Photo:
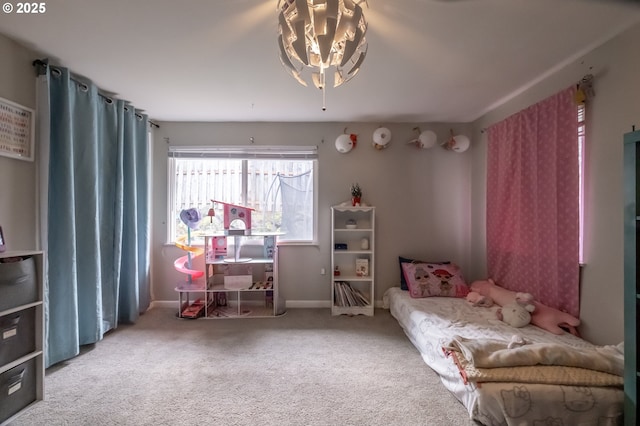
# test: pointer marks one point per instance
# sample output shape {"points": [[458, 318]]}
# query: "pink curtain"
{"points": [[533, 204]]}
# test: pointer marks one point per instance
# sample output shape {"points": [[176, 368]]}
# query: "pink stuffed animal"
{"points": [[543, 316], [554, 320], [500, 296]]}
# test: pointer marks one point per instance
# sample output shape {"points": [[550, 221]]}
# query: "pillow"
{"points": [[403, 282], [434, 279]]}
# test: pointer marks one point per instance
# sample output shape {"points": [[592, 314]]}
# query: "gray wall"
{"points": [[430, 203], [615, 108], [17, 177], [422, 199]]}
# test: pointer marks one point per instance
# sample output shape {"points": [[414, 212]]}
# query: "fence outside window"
{"points": [[280, 190]]}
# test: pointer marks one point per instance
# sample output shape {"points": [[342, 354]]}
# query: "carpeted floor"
{"points": [[303, 368]]}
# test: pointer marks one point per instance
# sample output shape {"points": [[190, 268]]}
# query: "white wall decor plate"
{"points": [[17, 130], [381, 137]]}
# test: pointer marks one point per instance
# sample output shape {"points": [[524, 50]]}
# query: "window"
{"points": [[279, 183]]}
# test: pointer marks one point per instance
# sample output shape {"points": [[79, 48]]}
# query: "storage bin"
{"points": [[17, 335], [17, 388], [18, 283]]}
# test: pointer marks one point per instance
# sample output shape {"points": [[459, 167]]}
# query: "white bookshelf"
{"points": [[352, 293]]}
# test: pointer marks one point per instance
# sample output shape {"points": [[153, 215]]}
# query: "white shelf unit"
{"points": [[21, 332], [352, 293], [218, 299]]}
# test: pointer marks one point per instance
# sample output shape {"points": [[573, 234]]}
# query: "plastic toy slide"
{"points": [[182, 263]]}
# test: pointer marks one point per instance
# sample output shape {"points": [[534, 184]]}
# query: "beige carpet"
{"points": [[304, 368]]}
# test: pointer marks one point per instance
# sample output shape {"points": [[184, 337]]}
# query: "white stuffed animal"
{"points": [[516, 314]]}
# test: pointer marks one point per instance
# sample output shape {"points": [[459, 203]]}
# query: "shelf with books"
{"points": [[352, 260]]}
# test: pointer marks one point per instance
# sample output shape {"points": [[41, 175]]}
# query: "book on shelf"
{"points": [[351, 300], [345, 295], [362, 267], [338, 294]]}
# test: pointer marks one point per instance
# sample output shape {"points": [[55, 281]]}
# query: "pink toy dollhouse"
{"points": [[233, 212]]}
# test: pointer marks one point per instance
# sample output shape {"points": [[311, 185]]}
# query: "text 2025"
{"points": [[31, 7]]}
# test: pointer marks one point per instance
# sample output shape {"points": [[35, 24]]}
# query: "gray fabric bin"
{"points": [[18, 283], [17, 389], [17, 335]]}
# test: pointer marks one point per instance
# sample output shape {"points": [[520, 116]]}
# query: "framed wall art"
{"points": [[17, 130]]}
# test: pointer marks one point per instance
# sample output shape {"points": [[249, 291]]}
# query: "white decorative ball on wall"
{"points": [[461, 143], [345, 143], [425, 140], [381, 137]]}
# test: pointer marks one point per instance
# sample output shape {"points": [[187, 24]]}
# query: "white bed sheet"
{"points": [[430, 322]]}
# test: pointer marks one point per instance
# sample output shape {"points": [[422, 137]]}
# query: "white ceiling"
{"points": [[428, 60]]}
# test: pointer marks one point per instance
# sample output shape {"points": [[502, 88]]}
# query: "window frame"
{"points": [[582, 141], [245, 153]]}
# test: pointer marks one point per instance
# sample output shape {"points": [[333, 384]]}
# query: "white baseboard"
{"points": [[319, 304], [289, 304], [294, 304], [164, 304], [308, 304]]}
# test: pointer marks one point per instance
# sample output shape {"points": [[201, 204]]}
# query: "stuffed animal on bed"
{"points": [[476, 299], [554, 320], [501, 296], [516, 314], [545, 317]]}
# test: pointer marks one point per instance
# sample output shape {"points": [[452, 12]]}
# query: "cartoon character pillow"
{"points": [[403, 281], [434, 279]]}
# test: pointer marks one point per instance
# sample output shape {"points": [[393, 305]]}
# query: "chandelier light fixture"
{"points": [[320, 37]]}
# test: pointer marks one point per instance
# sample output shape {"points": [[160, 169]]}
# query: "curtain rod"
{"points": [[41, 65]]}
